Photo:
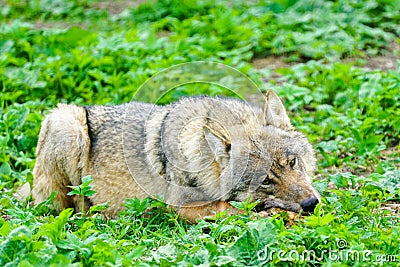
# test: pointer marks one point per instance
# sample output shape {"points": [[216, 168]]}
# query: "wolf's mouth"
{"points": [[268, 203]]}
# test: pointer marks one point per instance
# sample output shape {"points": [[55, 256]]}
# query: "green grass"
{"points": [[76, 52]]}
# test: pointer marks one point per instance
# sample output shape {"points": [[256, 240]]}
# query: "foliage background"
{"points": [[334, 63]]}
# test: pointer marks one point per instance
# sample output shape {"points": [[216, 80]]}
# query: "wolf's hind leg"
{"points": [[62, 154]]}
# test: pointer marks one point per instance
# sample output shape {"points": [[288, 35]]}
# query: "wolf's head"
{"points": [[283, 178], [278, 162]]}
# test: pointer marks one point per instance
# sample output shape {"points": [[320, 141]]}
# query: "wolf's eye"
{"points": [[267, 181], [292, 162]]}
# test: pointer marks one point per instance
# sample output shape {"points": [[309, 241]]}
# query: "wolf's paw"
{"points": [[289, 217]]}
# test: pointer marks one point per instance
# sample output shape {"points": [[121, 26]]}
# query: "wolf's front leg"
{"points": [[199, 210]]}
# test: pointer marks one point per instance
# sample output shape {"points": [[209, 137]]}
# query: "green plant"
{"points": [[83, 190]]}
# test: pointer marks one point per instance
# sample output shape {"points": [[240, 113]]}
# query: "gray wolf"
{"points": [[196, 154]]}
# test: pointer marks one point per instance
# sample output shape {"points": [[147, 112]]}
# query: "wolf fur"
{"points": [[196, 154]]}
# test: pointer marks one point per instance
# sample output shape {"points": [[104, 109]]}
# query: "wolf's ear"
{"points": [[217, 140], [274, 112]]}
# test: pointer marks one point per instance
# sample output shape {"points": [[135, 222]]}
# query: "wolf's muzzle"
{"points": [[309, 204]]}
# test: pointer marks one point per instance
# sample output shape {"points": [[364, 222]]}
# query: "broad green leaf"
{"points": [[321, 220], [258, 234], [55, 229], [5, 168]]}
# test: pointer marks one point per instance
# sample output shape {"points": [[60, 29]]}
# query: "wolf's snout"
{"points": [[309, 204]]}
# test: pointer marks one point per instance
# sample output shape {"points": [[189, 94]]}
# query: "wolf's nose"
{"points": [[309, 204]]}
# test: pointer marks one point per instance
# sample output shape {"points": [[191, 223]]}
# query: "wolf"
{"points": [[196, 154]]}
